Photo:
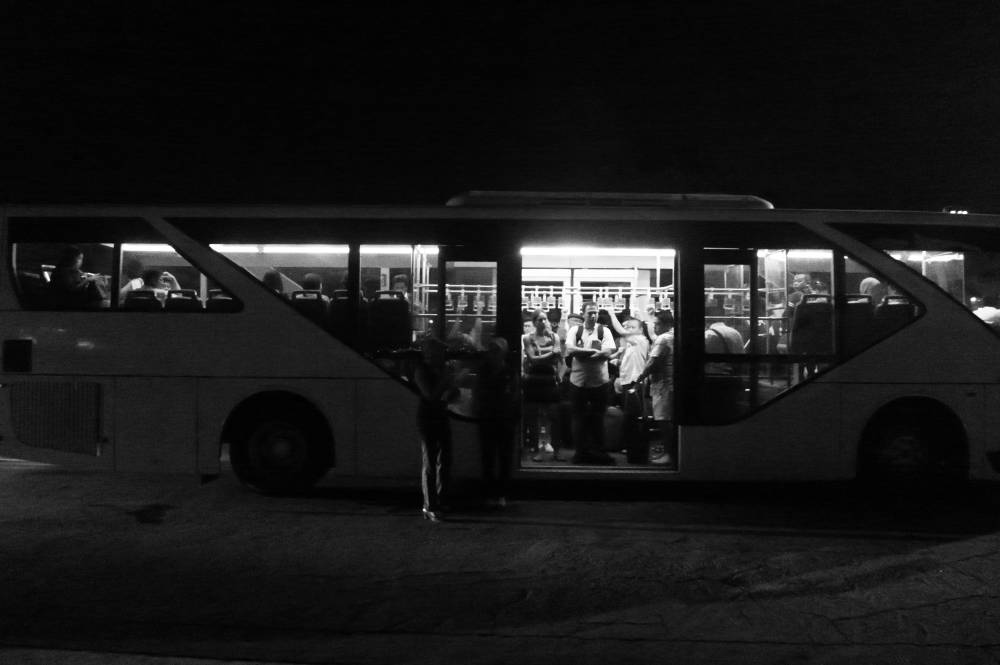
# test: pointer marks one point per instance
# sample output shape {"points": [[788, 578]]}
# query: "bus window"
{"points": [[64, 275], [754, 354], [399, 295], [287, 268], [787, 279], [961, 259]]}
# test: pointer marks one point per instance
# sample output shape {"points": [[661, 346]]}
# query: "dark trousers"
{"points": [[589, 407], [496, 441], [435, 445]]}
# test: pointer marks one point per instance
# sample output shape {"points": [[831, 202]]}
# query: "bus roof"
{"points": [[489, 198]]}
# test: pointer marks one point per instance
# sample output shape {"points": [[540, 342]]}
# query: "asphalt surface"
{"points": [[158, 570]]}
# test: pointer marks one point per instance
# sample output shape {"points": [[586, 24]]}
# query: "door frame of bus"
{"points": [[690, 333], [508, 262]]}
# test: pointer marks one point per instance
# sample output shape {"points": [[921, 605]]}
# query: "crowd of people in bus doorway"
{"points": [[576, 371]]}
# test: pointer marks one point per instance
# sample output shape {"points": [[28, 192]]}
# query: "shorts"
{"points": [[663, 401]]}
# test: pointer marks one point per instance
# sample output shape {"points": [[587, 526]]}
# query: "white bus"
{"points": [[867, 346]]}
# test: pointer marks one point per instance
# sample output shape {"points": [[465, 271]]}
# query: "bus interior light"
{"points": [[579, 250]]}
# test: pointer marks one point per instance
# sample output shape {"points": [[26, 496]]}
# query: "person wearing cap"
{"points": [[436, 384]]}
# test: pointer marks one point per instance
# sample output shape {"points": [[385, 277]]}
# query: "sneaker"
{"points": [[664, 459], [537, 457], [548, 448]]}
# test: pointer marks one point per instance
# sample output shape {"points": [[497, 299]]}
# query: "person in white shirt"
{"points": [[660, 371], [159, 282], [590, 346]]}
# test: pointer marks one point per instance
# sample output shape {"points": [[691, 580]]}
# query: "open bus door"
{"points": [[479, 298]]}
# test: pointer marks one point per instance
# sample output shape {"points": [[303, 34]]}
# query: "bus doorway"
{"points": [[580, 413]]}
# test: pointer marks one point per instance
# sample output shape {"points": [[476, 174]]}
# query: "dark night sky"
{"points": [[809, 104]]}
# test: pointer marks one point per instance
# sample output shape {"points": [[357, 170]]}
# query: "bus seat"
{"points": [[142, 301], [35, 290], [389, 321], [183, 300], [311, 304], [220, 301], [340, 314], [893, 313], [859, 324], [812, 325]]}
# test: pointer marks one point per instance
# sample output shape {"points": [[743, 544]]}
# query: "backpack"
{"points": [[579, 339]]}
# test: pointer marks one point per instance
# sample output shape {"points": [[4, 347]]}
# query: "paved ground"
{"points": [[158, 570]]}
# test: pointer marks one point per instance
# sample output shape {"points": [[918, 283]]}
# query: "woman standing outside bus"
{"points": [[544, 356], [435, 383]]}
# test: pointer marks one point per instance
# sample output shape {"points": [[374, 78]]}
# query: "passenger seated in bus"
{"points": [[872, 287], [73, 288], [272, 280], [313, 282], [721, 337], [159, 282], [131, 278], [401, 283]]}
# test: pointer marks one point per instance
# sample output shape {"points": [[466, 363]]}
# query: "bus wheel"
{"points": [[280, 455], [918, 446]]}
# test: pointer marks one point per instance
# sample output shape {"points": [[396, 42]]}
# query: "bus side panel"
{"points": [[336, 400], [991, 435], [789, 440], [63, 420], [155, 424], [388, 443], [966, 401]]}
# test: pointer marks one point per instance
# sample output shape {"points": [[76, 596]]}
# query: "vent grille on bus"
{"points": [[608, 199], [57, 416]]}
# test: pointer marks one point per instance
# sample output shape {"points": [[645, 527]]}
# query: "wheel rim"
{"points": [[901, 455], [278, 447]]}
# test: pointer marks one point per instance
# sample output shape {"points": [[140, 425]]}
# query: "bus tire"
{"points": [[281, 453], [917, 444]]}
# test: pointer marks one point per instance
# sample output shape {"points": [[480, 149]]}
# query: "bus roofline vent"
{"points": [[486, 198]]}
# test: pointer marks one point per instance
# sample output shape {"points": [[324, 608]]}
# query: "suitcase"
{"points": [[635, 430]]}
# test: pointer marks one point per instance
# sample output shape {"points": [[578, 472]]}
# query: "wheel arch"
{"points": [[252, 408], [924, 410]]}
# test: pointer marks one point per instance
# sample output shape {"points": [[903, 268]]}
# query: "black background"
{"points": [[808, 104]]}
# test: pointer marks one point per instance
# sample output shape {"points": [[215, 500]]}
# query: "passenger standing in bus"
{"points": [[589, 345], [543, 352], [659, 370], [436, 386], [496, 395], [631, 358]]}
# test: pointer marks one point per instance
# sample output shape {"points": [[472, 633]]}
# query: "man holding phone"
{"points": [[590, 346]]}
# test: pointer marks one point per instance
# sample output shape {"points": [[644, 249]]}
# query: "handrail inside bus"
{"points": [[487, 198]]}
